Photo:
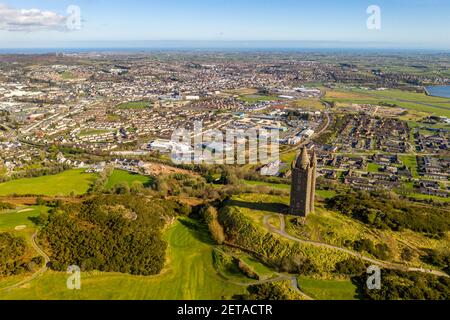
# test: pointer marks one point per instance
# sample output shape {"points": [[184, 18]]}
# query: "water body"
{"points": [[439, 91]]}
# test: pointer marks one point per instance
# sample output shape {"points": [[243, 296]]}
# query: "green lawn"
{"points": [[410, 161], [71, 181], [189, 274], [262, 270], [134, 105], [119, 176], [281, 186], [20, 217], [373, 167], [328, 289]]}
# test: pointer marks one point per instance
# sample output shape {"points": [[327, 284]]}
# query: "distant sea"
{"points": [[225, 46], [439, 91]]}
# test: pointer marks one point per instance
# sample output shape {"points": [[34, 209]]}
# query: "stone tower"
{"points": [[303, 187]]}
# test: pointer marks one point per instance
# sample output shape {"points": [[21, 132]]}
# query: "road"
{"points": [[385, 264], [315, 135], [38, 273]]}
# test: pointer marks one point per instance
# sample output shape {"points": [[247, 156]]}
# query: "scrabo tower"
{"points": [[303, 187]]}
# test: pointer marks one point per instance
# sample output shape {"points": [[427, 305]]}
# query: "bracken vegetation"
{"points": [[283, 254]]}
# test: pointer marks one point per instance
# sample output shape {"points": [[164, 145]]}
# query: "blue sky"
{"points": [[404, 23]]}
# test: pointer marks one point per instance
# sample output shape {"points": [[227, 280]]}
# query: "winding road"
{"points": [[385, 264]]}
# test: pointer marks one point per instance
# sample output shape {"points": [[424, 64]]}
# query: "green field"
{"points": [[328, 289], [282, 186], [254, 98], [189, 274], [91, 132], [410, 162], [20, 217], [119, 176], [403, 99], [68, 182], [67, 75], [134, 105], [373, 167]]}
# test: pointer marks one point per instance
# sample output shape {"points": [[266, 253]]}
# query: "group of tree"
{"points": [[380, 250], [272, 291], [382, 211], [13, 257], [34, 172], [400, 285], [111, 233]]}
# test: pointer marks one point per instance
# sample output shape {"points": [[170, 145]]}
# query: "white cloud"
{"points": [[29, 20]]}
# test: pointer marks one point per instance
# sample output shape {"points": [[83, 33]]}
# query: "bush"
{"points": [[350, 266], [12, 251], [272, 291], [6, 206], [209, 215], [109, 233], [380, 211], [247, 270], [400, 285]]}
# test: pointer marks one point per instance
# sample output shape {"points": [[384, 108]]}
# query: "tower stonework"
{"points": [[303, 187]]}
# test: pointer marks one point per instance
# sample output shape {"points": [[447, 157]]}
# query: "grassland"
{"points": [[69, 182], [418, 102], [20, 217], [373, 167], [328, 289], [139, 105], [314, 104], [254, 98], [282, 186], [119, 176], [189, 274], [67, 75], [410, 162]]}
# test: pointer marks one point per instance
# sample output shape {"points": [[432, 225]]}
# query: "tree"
{"points": [[122, 188]]}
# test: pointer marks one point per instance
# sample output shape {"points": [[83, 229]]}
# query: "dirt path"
{"points": [[385, 264]]}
